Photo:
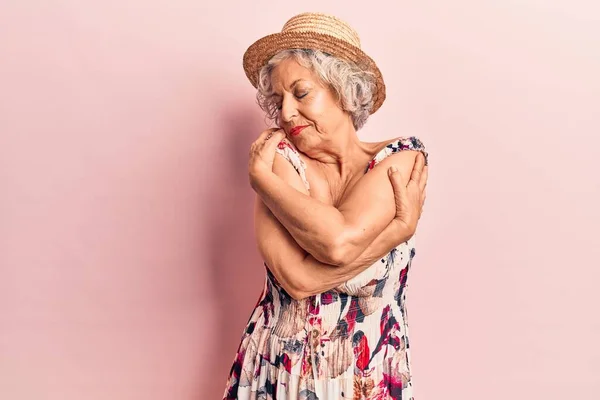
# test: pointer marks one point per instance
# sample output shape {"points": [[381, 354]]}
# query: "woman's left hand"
{"points": [[262, 151], [410, 195]]}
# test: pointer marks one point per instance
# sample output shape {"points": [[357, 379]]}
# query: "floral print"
{"points": [[350, 342]]}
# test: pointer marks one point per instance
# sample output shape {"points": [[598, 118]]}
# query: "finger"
{"points": [[273, 140], [418, 168], [262, 138], [424, 177], [278, 134], [398, 186], [396, 178], [263, 135]]}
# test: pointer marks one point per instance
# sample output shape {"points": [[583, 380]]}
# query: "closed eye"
{"points": [[279, 105]]}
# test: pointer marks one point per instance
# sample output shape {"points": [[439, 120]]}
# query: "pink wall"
{"points": [[127, 261]]}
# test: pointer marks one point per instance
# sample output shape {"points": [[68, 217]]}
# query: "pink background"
{"points": [[127, 260]]}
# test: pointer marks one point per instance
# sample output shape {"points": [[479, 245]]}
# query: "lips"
{"points": [[297, 129]]}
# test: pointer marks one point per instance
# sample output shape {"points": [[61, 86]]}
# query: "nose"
{"points": [[288, 109]]}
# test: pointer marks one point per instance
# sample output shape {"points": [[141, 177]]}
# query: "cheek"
{"points": [[323, 109]]}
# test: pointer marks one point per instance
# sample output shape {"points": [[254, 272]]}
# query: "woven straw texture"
{"points": [[314, 31]]}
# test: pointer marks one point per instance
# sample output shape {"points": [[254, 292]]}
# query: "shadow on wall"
{"points": [[237, 268]]}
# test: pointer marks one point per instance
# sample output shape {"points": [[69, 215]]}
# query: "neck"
{"points": [[341, 153]]}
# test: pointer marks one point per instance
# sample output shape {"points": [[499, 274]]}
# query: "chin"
{"points": [[299, 142]]}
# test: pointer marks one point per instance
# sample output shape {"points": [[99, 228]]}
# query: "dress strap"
{"points": [[290, 153], [396, 145]]}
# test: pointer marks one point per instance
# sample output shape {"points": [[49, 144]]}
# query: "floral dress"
{"points": [[350, 342]]}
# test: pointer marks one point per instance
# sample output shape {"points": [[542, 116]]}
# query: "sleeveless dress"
{"points": [[350, 342]]}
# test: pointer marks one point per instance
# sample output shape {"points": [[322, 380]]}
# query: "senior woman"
{"points": [[334, 222]]}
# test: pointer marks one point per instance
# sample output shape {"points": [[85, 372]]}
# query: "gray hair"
{"points": [[353, 87]]}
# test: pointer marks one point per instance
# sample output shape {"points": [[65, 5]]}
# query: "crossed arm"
{"points": [[336, 236], [301, 249]]}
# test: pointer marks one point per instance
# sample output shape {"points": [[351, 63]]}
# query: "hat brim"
{"points": [[259, 53]]}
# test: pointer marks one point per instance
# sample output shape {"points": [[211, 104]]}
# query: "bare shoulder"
{"points": [[289, 171], [400, 152]]}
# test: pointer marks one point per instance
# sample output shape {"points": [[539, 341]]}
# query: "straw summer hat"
{"points": [[314, 31]]}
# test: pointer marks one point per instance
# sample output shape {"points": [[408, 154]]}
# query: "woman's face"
{"points": [[304, 101]]}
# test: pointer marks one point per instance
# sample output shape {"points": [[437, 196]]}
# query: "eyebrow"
{"points": [[294, 83], [291, 86]]}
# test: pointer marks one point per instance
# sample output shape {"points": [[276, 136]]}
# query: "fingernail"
{"points": [[392, 169]]}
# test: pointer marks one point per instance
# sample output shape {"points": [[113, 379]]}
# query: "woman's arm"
{"points": [[336, 236], [299, 273]]}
